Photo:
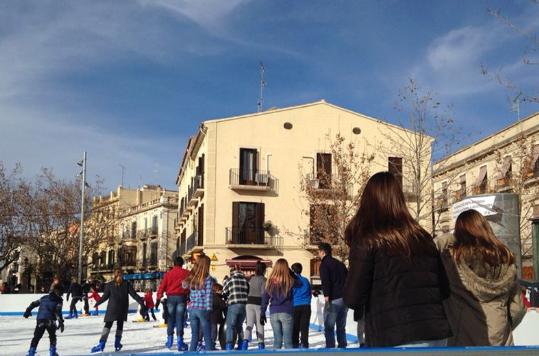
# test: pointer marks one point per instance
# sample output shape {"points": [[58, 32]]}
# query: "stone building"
{"points": [[137, 227], [239, 182], [506, 161]]}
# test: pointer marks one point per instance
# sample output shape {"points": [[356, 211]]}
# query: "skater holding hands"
{"points": [[50, 310]]}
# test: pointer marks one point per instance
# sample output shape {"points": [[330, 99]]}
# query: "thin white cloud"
{"points": [[209, 14], [38, 140]]}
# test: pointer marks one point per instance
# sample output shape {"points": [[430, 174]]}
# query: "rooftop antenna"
{"points": [[123, 172], [260, 103], [516, 105]]}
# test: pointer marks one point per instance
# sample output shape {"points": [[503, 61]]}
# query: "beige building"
{"points": [[506, 161], [138, 226], [239, 183]]}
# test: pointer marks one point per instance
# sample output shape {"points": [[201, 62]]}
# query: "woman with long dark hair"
{"points": [[396, 276], [117, 293], [485, 303]]}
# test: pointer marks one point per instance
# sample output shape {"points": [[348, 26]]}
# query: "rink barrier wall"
{"points": [[426, 351], [16, 304]]}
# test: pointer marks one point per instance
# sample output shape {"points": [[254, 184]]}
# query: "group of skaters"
{"points": [[404, 287]]}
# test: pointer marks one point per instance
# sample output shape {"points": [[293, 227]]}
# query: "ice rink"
{"points": [[83, 333]]}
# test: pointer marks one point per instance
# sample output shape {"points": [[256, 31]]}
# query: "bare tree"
{"points": [[518, 172], [333, 193], [529, 58], [426, 129], [14, 227]]}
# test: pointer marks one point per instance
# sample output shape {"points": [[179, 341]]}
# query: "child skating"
{"points": [[50, 310]]}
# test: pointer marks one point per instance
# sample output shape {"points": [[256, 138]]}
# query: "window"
{"points": [[154, 225], [315, 267], [247, 223], [480, 185], [144, 254], [200, 227], [535, 161], [461, 193], [444, 197], [111, 259], [134, 230], [153, 254], [129, 255], [394, 166], [323, 170], [248, 165]]}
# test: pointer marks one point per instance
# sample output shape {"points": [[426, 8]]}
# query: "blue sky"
{"points": [[129, 81]]}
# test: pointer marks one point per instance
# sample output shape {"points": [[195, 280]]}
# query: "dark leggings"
{"points": [[41, 326], [106, 330]]}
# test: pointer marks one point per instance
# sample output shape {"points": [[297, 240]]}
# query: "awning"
{"points": [[247, 263], [143, 276], [481, 177], [504, 169]]}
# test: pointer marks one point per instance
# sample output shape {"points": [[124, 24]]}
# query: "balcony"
{"points": [[198, 187], [191, 243], [330, 186], [257, 238], [260, 181]]}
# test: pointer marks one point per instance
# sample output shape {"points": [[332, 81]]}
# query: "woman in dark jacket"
{"points": [[117, 293], [396, 275]]}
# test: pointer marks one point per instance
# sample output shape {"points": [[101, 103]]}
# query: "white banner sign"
{"points": [[483, 204]]}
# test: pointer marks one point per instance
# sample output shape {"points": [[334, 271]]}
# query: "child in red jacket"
{"points": [[96, 297], [148, 301]]}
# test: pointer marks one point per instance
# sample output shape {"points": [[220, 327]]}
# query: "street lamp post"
{"points": [[81, 236]]}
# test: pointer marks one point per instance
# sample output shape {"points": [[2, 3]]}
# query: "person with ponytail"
{"points": [[396, 276], [200, 284], [485, 303], [278, 295], [117, 293]]}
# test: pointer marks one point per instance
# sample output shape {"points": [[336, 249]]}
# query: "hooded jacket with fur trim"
{"points": [[485, 304]]}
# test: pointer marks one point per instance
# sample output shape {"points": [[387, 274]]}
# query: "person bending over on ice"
{"points": [[117, 292], [50, 309]]}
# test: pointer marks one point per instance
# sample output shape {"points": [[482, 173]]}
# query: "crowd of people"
{"points": [[404, 287]]}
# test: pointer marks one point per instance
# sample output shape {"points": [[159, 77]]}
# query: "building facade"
{"points": [[506, 161], [138, 231], [240, 182]]}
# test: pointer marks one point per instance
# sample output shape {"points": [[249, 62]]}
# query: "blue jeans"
{"points": [[235, 316], [335, 314], [176, 314], [282, 325], [200, 320]]}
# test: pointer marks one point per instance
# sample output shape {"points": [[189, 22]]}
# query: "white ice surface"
{"points": [[81, 334]]}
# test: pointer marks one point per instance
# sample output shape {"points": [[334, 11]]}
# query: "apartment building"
{"points": [[506, 161], [239, 182], [138, 230]]}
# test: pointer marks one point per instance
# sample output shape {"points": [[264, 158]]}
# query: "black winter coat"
{"points": [[118, 297], [333, 275], [401, 296], [75, 290]]}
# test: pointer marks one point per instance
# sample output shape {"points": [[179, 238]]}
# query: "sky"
{"points": [[130, 81]]}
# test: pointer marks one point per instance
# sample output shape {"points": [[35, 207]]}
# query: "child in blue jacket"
{"points": [[301, 298], [50, 309]]}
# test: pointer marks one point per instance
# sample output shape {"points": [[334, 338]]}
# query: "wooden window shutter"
{"points": [[260, 216], [235, 214], [201, 225]]}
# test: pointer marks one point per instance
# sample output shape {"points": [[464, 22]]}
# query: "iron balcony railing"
{"points": [[242, 177], [248, 236]]}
